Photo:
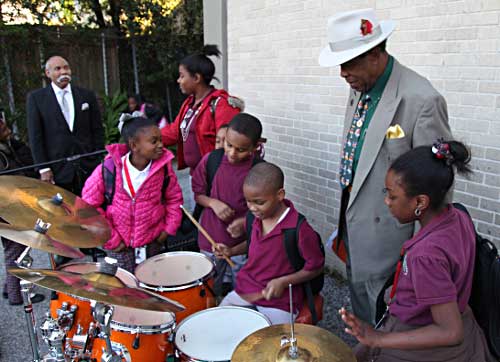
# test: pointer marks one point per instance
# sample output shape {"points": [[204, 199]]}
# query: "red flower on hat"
{"points": [[366, 27]]}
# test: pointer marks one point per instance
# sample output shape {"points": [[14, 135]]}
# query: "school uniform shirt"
{"points": [[438, 268], [267, 260], [137, 177], [227, 186]]}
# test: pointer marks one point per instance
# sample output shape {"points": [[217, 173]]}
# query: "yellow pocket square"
{"points": [[394, 132]]}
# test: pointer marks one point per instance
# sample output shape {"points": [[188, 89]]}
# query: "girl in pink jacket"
{"points": [[145, 205]]}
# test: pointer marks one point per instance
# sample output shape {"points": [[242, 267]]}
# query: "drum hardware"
{"points": [[74, 222], [103, 315], [293, 352], [100, 287], [41, 240], [189, 279], [66, 316], [25, 260], [54, 337], [213, 334], [30, 319]]}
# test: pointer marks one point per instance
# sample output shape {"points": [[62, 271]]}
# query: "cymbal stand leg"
{"points": [[30, 319]]}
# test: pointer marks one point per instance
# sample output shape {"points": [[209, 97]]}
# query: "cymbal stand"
{"points": [[293, 351], [25, 260], [103, 314], [30, 319]]}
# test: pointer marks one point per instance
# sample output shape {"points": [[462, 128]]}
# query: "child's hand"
{"points": [[162, 237], [274, 289], [223, 212], [119, 248], [363, 332], [236, 228], [221, 250]]}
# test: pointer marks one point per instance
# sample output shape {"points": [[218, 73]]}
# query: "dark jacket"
{"points": [[50, 137]]}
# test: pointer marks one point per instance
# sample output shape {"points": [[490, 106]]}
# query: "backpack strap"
{"points": [[290, 240], [164, 185], [213, 163], [213, 106], [249, 222], [108, 170]]}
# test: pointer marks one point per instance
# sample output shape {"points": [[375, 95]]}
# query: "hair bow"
{"points": [[125, 117], [441, 150]]}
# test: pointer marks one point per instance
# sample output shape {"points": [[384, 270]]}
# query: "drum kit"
{"points": [[165, 312]]}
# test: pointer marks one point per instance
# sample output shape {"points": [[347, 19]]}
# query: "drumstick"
{"points": [[205, 233]]}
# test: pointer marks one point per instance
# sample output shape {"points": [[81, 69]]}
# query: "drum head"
{"points": [[213, 334], [126, 319], [83, 268], [174, 269]]}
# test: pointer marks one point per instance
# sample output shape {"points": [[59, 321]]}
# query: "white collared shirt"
{"points": [[136, 177], [69, 100]]}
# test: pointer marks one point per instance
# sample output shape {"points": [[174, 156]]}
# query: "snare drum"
{"points": [[186, 277], [213, 334], [138, 335], [83, 314]]}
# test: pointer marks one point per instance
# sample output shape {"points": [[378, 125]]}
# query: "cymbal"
{"points": [[74, 222], [100, 287], [314, 344], [36, 240]]}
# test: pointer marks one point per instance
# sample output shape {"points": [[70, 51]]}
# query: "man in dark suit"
{"points": [[64, 120]]}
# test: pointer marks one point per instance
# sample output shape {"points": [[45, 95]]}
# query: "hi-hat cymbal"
{"points": [[314, 344], [100, 287], [38, 241], [23, 200]]}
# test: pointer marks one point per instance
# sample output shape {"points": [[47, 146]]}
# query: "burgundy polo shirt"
{"points": [[267, 260], [227, 186], [437, 269]]}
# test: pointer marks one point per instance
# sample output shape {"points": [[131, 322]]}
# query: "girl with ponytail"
{"points": [[204, 111], [428, 317]]}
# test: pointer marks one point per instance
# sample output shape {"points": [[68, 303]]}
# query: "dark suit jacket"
{"points": [[50, 137]]}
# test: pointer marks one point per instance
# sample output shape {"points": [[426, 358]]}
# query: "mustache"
{"points": [[64, 77]]}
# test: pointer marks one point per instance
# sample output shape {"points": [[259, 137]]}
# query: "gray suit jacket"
{"points": [[375, 236]]}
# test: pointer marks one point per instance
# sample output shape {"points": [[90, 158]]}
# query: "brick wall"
{"points": [[273, 47]]}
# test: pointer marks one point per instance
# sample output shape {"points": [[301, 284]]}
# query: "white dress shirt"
{"points": [[69, 100], [136, 177]]}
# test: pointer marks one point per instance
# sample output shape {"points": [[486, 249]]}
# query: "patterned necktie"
{"points": [[65, 107], [351, 142]]}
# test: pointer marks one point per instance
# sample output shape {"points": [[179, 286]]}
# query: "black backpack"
{"points": [[485, 296], [290, 240], [108, 170]]}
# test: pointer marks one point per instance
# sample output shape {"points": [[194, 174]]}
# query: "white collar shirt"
{"points": [[68, 96], [137, 177]]}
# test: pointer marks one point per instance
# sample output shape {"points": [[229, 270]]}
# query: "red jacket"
{"points": [[205, 127]]}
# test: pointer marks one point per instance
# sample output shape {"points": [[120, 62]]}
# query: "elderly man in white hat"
{"points": [[390, 110]]}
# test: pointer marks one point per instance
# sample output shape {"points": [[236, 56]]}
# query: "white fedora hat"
{"points": [[351, 34]]}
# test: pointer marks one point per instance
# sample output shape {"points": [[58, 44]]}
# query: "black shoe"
{"points": [[37, 298], [5, 295]]}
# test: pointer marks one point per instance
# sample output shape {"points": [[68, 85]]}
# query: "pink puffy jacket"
{"points": [[138, 221]]}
